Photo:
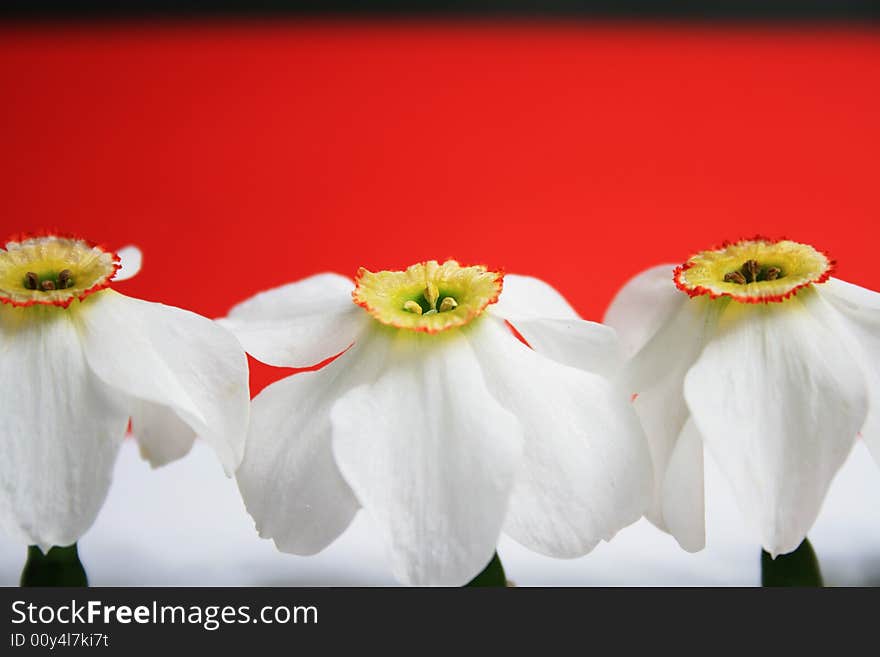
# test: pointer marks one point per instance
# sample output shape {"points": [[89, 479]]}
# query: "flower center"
{"points": [[428, 296], [53, 270], [48, 282], [754, 271], [427, 304]]}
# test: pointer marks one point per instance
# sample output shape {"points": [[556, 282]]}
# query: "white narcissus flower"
{"points": [[753, 350], [437, 420], [77, 360]]}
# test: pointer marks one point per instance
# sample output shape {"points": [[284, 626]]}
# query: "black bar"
{"points": [[722, 10], [563, 621]]}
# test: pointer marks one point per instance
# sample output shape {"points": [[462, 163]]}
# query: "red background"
{"points": [[243, 156]]}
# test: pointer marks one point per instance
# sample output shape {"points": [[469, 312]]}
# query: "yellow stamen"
{"points": [[412, 307], [431, 293], [448, 304]]}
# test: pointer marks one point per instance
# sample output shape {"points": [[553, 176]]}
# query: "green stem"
{"points": [[492, 575], [59, 567], [798, 568]]}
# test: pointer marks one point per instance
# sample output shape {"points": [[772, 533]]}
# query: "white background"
{"points": [[185, 524]]}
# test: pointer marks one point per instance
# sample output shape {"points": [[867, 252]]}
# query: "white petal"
{"points": [[855, 300], [525, 296], [130, 258], [300, 324], [553, 328], [587, 471], [682, 494], [60, 432], [860, 308], [778, 398], [656, 376], [173, 358], [575, 342], [288, 478], [643, 305], [431, 457], [161, 435]]}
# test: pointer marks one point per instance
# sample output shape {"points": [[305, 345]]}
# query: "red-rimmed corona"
{"points": [[756, 352], [437, 420], [53, 270], [79, 361], [427, 296], [757, 270]]}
